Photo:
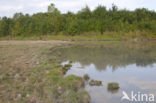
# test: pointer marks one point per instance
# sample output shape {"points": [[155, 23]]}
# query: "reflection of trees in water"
{"points": [[113, 91], [114, 56]]}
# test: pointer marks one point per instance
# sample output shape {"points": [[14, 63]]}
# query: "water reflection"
{"points": [[113, 91], [132, 65], [141, 54]]}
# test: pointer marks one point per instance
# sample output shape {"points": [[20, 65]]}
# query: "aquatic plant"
{"points": [[86, 77], [66, 67], [113, 86], [95, 83]]}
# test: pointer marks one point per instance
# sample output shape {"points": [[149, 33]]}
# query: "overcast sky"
{"points": [[9, 7]]}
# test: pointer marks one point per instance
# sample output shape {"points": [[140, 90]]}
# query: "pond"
{"points": [[131, 64]]}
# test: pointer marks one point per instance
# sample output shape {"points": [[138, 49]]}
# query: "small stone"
{"points": [[27, 95], [19, 96], [37, 63], [27, 79], [60, 90], [17, 76]]}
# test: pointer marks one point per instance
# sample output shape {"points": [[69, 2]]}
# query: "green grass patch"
{"points": [[89, 36]]}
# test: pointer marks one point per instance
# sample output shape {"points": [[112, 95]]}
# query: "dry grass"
{"points": [[20, 73]]}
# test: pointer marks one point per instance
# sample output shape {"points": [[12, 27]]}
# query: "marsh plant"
{"points": [[113, 86], [95, 83], [86, 77], [66, 67]]}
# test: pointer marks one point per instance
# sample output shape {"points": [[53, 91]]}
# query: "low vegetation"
{"points": [[86, 77], [95, 83], [29, 75], [113, 86], [30, 71], [66, 67]]}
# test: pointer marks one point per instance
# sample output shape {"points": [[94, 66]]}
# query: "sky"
{"points": [[9, 7]]}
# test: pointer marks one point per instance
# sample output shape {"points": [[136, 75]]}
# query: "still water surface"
{"points": [[132, 65]]}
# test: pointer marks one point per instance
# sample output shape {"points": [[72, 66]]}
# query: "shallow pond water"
{"points": [[132, 65]]}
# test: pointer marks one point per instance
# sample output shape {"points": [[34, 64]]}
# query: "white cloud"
{"points": [[75, 5], [9, 7]]}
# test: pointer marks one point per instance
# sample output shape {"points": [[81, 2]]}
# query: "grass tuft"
{"points": [[113, 86]]}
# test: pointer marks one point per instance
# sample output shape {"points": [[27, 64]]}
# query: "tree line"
{"points": [[99, 20]]}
